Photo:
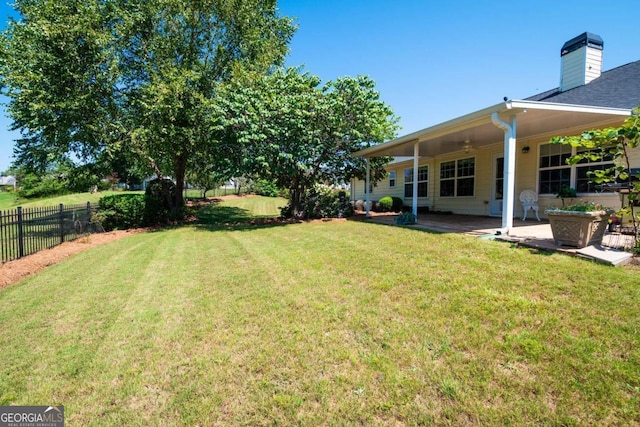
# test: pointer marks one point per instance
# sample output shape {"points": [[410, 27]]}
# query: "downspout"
{"points": [[367, 188], [509, 183], [416, 155]]}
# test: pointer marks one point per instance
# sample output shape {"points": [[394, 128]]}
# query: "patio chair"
{"points": [[529, 200]]}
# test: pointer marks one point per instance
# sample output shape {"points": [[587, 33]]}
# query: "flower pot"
{"points": [[579, 229]]}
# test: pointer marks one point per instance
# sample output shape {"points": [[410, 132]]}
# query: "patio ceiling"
{"points": [[534, 119]]}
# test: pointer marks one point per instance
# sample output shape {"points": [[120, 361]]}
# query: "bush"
{"points": [[122, 211], [161, 202], [33, 186], [406, 218], [385, 204], [263, 187], [321, 201], [397, 204]]}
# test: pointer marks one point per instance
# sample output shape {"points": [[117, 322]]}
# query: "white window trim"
{"points": [[456, 177], [573, 174], [419, 182]]}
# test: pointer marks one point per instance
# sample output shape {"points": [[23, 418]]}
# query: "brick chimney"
{"points": [[581, 61]]}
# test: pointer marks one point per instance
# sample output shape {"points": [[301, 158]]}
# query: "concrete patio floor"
{"points": [[529, 233]]}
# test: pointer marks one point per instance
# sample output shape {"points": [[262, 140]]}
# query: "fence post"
{"points": [[61, 223], [20, 234]]}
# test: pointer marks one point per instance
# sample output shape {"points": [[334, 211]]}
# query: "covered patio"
{"points": [[512, 125], [531, 233]]}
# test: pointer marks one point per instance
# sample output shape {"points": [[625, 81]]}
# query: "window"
{"points": [[423, 181], [555, 173], [457, 178], [599, 160], [392, 179]]}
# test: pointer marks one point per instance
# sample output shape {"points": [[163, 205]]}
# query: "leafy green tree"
{"points": [[297, 133], [85, 77], [617, 144]]}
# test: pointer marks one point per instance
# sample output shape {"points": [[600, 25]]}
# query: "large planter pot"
{"points": [[579, 229]]}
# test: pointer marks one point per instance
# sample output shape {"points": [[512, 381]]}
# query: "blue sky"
{"points": [[434, 60]]}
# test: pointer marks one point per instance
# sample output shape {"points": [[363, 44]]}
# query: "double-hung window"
{"points": [[597, 160], [555, 173], [423, 181], [392, 179], [457, 178]]}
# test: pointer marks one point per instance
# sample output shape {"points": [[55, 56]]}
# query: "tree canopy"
{"points": [[297, 132], [92, 77]]}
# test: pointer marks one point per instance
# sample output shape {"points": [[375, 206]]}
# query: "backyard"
{"points": [[225, 322]]}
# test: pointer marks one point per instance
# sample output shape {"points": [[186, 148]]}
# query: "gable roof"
{"points": [[616, 88]]}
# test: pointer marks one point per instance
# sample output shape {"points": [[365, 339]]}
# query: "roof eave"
{"points": [[462, 122], [450, 126]]}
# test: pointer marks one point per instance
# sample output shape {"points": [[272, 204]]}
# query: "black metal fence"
{"points": [[26, 231]]}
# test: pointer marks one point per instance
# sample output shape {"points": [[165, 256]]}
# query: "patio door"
{"points": [[495, 204]]}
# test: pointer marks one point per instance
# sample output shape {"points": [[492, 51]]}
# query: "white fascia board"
{"points": [[551, 106], [468, 120]]}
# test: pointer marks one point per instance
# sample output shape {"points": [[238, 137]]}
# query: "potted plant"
{"points": [[579, 225], [566, 193]]}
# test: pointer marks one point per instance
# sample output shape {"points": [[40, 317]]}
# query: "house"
{"points": [[479, 163], [8, 181]]}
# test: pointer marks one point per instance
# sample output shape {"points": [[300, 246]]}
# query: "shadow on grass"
{"points": [[216, 217], [423, 229]]}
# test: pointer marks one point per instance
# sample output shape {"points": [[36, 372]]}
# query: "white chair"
{"points": [[529, 200]]}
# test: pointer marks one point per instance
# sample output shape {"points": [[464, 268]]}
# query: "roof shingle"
{"points": [[616, 88]]}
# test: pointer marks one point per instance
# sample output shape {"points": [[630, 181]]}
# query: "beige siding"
{"points": [[381, 189], [479, 204], [580, 67]]}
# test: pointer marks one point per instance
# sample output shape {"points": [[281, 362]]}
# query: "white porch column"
{"points": [[509, 184], [367, 187], [416, 156]]}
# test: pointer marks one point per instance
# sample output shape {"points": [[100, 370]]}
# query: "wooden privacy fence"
{"points": [[26, 231]]}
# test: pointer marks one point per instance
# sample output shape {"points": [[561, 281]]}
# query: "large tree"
{"points": [[88, 77], [289, 128]]}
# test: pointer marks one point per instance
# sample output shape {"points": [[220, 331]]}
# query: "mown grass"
{"points": [[12, 202], [242, 209], [323, 324], [6, 200]]}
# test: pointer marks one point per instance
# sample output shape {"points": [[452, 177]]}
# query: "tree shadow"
{"points": [[215, 218]]}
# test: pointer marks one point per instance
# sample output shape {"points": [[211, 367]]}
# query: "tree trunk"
{"points": [[296, 202], [180, 166]]}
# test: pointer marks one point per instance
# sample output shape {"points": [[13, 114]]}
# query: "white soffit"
{"points": [[533, 118]]}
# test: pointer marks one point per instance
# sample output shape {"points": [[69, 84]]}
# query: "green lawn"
{"points": [[336, 323], [9, 201]]}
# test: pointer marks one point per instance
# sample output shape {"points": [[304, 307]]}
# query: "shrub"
{"points": [[321, 201], [122, 211], [263, 187], [406, 218], [33, 186], [385, 204], [161, 202], [398, 204]]}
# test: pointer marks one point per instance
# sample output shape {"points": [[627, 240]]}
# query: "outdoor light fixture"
{"points": [[525, 149], [467, 146]]}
